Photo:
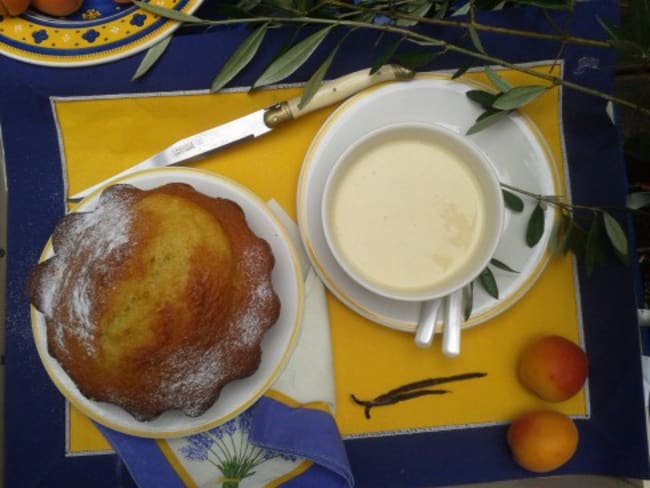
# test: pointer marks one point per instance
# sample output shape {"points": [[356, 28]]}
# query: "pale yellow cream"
{"points": [[406, 213]]}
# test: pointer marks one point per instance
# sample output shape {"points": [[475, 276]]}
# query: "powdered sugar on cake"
{"points": [[250, 323], [98, 235], [191, 375]]}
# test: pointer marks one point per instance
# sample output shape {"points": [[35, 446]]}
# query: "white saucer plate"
{"points": [[277, 344], [513, 145]]}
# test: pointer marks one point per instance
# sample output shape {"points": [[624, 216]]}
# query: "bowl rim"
{"points": [[488, 247]]}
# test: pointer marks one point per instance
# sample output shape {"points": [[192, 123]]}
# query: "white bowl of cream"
{"points": [[412, 211]]}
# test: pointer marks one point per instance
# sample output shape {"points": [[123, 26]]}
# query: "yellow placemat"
{"points": [[368, 358]]}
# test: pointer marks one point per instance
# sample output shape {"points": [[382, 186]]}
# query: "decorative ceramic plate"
{"points": [[101, 31], [514, 147], [277, 344]]}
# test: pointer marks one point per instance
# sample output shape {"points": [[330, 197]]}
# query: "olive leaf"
{"points": [[500, 84], [592, 248], [168, 13], [634, 41], [292, 59], [461, 71], [501, 265], [571, 241], [489, 283], [512, 201], [613, 31], [638, 200], [285, 5], [484, 98], [442, 8], [488, 113], [576, 241], [560, 234], [312, 86], [575, 230], [468, 300], [240, 58], [489, 4], [428, 42], [535, 227], [476, 40], [499, 105], [383, 58], [284, 47], [518, 97], [486, 119], [617, 237], [462, 10], [417, 8], [151, 57], [416, 60]]}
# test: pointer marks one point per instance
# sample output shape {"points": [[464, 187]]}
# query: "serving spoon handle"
{"points": [[427, 322], [451, 324]]}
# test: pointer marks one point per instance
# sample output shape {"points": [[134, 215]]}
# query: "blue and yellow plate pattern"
{"points": [[101, 31]]}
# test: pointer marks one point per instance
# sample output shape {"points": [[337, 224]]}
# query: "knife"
{"points": [[260, 122]]}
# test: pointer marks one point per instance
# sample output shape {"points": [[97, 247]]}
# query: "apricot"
{"points": [[13, 7], [542, 440], [553, 367], [57, 8]]}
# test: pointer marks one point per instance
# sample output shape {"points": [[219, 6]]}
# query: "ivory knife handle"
{"points": [[334, 91]]}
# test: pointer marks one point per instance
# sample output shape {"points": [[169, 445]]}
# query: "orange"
{"points": [[542, 440], [13, 7], [57, 8], [553, 367]]}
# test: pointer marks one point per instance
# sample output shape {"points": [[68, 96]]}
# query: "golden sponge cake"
{"points": [[156, 299]]}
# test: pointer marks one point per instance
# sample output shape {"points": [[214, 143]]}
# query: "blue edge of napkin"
{"points": [[613, 439], [308, 433], [312, 434]]}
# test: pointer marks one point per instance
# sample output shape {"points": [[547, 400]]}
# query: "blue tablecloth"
{"points": [[613, 440]]}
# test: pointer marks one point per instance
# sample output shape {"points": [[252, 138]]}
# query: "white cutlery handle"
{"points": [[451, 326], [335, 91], [427, 323]]}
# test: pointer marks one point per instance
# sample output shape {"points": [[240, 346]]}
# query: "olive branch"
{"points": [[408, 46], [584, 230], [580, 228]]}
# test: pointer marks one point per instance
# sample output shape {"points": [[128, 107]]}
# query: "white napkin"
{"points": [[308, 376]]}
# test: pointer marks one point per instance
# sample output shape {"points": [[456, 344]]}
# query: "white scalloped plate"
{"points": [[277, 344]]}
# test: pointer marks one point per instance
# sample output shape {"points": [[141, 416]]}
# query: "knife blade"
{"points": [[258, 123]]}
